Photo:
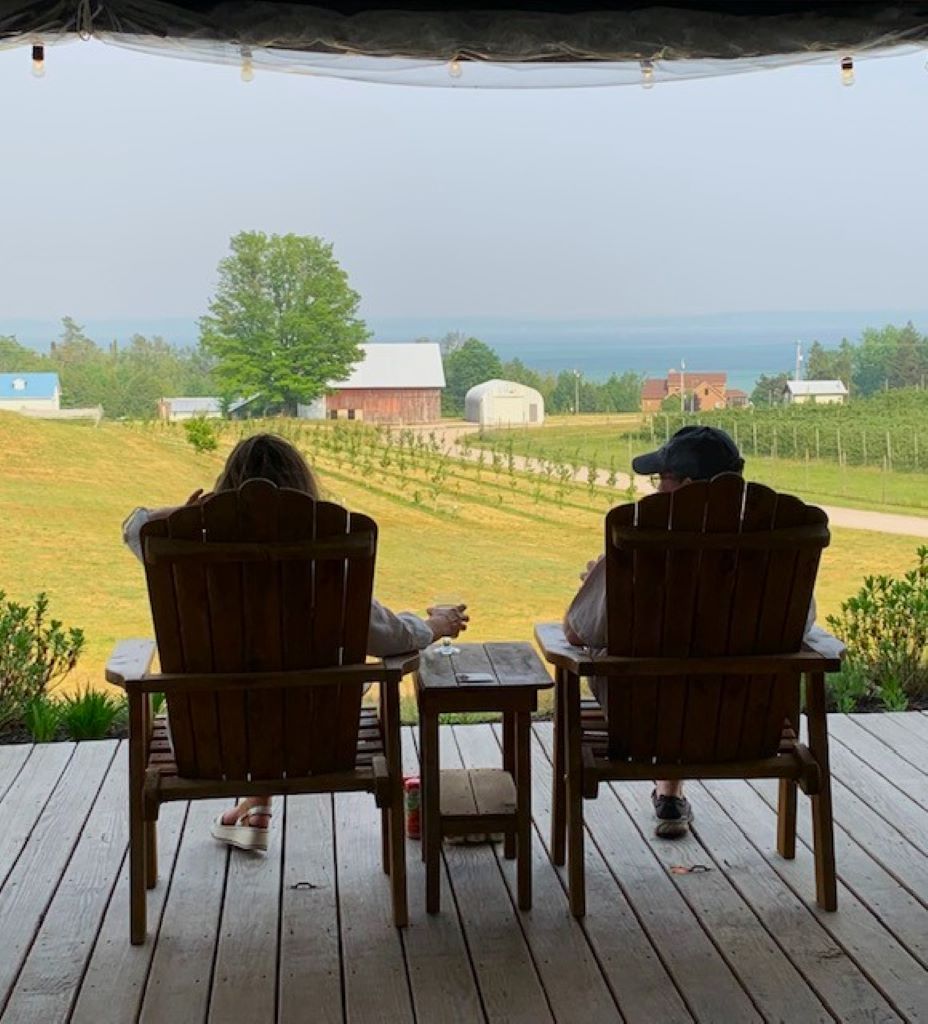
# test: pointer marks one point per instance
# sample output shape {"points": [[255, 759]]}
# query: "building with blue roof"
{"points": [[30, 392]]}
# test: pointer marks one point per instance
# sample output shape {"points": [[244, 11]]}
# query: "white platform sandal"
{"points": [[240, 835]]}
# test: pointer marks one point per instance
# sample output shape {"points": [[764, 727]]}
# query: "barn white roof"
{"points": [[816, 387], [402, 365]]}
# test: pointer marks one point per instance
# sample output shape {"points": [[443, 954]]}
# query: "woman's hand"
{"points": [[449, 620], [590, 566], [198, 495]]}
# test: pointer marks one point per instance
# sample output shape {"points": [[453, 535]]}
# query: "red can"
{"points": [[413, 821]]}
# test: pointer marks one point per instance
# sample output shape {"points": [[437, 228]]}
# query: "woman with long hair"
{"points": [[269, 457]]}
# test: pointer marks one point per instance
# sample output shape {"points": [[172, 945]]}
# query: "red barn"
{"points": [[394, 383]]}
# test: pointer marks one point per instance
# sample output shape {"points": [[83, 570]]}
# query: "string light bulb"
{"points": [[248, 68], [38, 60], [847, 70], [455, 69], [647, 74]]}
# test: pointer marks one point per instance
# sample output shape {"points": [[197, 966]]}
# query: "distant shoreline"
{"points": [[745, 345]]}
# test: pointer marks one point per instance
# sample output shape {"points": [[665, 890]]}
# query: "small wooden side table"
{"points": [[460, 802]]}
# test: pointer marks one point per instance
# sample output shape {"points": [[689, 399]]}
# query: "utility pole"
{"points": [[682, 386], [576, 392], [798, 360]]}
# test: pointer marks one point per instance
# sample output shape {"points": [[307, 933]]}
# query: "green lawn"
{"points": [[591, 439], [66, 487]]}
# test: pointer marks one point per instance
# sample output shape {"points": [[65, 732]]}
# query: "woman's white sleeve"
{"points": [[132, 527], [392, 633]]}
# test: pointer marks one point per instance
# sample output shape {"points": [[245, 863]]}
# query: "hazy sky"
{"points": [[124, 175]]}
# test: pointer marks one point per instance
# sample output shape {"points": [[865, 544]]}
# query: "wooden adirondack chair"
{"points": [[260, 599], [708, 591]]}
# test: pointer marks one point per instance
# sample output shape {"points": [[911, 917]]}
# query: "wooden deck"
{"points": [[305, 934]]}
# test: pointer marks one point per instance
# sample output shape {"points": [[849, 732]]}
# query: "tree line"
{"points": [[126, 380], [884, 359], [469, 361]]}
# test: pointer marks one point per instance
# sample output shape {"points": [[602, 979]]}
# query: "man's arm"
{"points": [[585, 618]]}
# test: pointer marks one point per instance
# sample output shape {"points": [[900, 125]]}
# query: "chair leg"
{"points": [[137, 824], [826, 882], [786, 819], [558, 788], [389, 695], [151, 854], [385, 840], [575, 854]]}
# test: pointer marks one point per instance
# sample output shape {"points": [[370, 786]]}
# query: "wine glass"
{"points": [[445, 602]]}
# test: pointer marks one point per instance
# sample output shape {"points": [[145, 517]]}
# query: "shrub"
{"points": [[89, 714], [42, 718], [885, 628], [201, 433], [35, 655]]}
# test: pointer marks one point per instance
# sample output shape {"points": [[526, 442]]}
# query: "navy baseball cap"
{"points": [[695, 453]]}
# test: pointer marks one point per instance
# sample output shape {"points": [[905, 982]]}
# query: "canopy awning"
{"points": [[533, 43]]}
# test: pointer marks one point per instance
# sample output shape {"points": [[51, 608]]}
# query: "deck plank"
{"points": [[245, 970], [888, 965], [568, 969], [891, 728], [509, 983], [33, 881], [116, 973], [907, 819], [49, 980], [743, 942], [631, 966], [444, 987], [876, 888], [824, 965], [376, 988], [310, 972], [12, 758], [767, 974], [706, 982], [179, 982], [880, 758], [23, 802]]}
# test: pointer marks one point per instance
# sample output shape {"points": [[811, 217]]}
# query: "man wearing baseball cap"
{"points": [[693, 453]]}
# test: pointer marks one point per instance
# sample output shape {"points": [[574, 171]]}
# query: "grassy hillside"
{"points": [[66, 487]]}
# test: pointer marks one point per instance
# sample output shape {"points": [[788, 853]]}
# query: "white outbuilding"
{"points": [[504, 403]]}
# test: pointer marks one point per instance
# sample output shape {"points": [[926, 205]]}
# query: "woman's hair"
{"points": [[267, 457]]}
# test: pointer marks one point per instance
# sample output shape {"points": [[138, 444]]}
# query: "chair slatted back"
{"points": [[713, 568], [254, 580]]}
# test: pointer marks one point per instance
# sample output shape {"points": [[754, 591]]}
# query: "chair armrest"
{"points": [[131, 660], [399, 665], [557, 651]]}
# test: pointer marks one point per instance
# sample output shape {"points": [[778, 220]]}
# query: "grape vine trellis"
{"points": [[889, 432], [414, 468]]}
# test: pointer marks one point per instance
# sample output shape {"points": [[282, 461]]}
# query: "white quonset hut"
{"points": [[504, 403], [816, 392]]}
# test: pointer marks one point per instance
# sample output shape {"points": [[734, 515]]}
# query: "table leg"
{"points": [[524, 807], [559, 789], [509, 765], [431, 826]]}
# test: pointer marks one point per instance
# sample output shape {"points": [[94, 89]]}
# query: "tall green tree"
{"points": [[16, 358], [283, 322], [468, 364], [768, 389]]}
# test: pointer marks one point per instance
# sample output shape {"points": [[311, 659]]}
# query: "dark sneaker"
{"points": [[673, 814]]}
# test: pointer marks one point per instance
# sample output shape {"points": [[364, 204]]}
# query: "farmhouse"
{"points": [[703, 391], [815, 392], [393, 383], [176, 409], [30, 392], [503, 403]]}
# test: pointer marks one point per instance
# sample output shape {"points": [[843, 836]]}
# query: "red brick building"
{"points": [[703, 391], [394, 383]]}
